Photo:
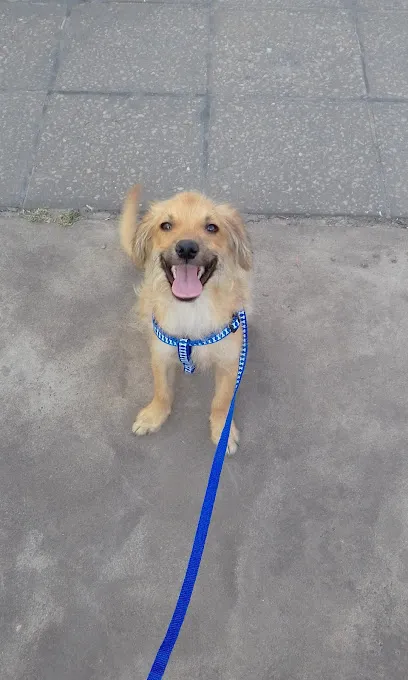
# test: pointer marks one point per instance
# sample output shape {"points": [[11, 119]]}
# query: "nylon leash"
{"points": [[163, 655]]}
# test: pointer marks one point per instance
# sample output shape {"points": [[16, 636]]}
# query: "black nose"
{"points": [[187, 250]]}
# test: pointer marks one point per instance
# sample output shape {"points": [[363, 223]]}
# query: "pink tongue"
{"points": [[186, 283]]}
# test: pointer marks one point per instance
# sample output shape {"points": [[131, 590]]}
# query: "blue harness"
{"points": [[185, 346]]}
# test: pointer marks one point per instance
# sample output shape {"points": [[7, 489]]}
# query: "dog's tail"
{"points": [[128, 220]]}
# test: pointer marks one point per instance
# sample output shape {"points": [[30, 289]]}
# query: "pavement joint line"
{"points": [[78, 3], [37, 137], [205, 122], [127, 93], [193, 95], [313, 9], [388, 100], [376, 144], [370, 113], [29, 170], [158, 3], [324, 215], [382, 10], [150, 2], [316, 9], [398, 221], [361, 48], [206, 111]]}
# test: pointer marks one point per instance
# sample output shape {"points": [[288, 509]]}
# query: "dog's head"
{"points": [[194, 242]]}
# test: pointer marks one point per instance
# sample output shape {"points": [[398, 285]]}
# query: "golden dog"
{"points": [[197, 261]]}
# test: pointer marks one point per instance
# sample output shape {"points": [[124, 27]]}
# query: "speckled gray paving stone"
{"points": [[166, 2], [292, 156], [281, 4], [286, 53], [93, 147], [20, 115], [127, 46], [385, 39], [382, 4], [392, 133], [29, 37]]}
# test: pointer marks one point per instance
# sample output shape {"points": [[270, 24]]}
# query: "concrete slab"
{"points": [[133, 47], [281, 4], [29, 36], [268, 57], [20, 116], [392, 133], [294, 156], [118, 140], [382, 4], [323, 63], [305, 572], [171, 2], [385, 40]]}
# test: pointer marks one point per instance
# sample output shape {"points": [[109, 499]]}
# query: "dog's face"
{"points": [[192, 239]]}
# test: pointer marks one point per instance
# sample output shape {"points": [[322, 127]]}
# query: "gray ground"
{"points": [[305, 575], [280, 107]]}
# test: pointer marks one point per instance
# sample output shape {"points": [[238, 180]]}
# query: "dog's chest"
{"points": [[190, 319], [195, 321]]}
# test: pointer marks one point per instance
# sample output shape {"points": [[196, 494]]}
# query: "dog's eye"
{"points": [[212, 228], [166, 226]]}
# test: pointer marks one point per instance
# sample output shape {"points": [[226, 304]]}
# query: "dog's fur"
{"points": [[225, 292]]}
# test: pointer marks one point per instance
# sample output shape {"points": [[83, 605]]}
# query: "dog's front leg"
{"points": [[152, 417], [225, 377]]}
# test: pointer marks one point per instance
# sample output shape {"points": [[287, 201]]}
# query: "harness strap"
{"points": [[163, 655], [184, 354], [185, 345]]}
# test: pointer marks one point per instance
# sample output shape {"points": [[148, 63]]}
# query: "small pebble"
{"points": [[364, 265], [104, 246], [393, 260], [333, 259]]}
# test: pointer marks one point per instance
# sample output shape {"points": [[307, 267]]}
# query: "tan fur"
{"points": [[128, 220], [227, 291]]}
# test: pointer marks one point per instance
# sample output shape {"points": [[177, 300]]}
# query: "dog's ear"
{"points": [[134, 234], [142, 240], [235, 226]]}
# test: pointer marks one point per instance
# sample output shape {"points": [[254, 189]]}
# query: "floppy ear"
{"points": [[238, 235], [134, 235], [142, 240]]}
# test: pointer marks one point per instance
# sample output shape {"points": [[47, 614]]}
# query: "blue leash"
{"points": [[170, 639]]}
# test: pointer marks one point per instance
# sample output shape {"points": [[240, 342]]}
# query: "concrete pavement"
{"points": [[306, 568], [291, 109], [280, 108]]}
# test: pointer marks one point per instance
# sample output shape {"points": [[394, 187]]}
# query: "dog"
{"points": [[197, 263]]}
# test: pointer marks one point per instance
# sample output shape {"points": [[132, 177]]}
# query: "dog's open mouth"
{"points": [[187, 280]]}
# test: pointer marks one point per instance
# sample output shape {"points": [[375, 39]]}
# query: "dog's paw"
{"points": [[233, 440], [150, 419]]}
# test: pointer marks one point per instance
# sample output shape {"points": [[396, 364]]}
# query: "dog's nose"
{"points": [[187, 250]]}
